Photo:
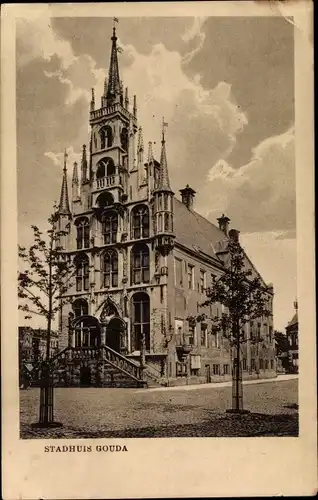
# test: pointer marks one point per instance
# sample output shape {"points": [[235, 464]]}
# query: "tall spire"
{"points": [[150, 153], [64, 206], [164, 182], [114, 84], [84, 165], [75, 174], [140, 146], [75, 194]]}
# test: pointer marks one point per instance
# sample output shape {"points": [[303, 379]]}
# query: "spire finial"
{"points": [[114, 84], [65, 160], [164, 125], [150, 153], [84, 165], [75, 173], [135, 107], [93, 100], [140, 146], [164, 183], [64, 206]]}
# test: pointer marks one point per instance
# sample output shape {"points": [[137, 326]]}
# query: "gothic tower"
{"points": [[64, 212], [163, 204], [113, 128]]}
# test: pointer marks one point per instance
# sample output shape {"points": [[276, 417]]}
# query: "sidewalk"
{"points": [[214, 385]]}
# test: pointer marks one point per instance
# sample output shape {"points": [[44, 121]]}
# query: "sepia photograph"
{"points": [[156, 194], [157, 289]]}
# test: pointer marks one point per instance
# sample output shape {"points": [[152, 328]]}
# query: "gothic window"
{"points": [[105, 167], [87, 333], [141, 320], [102, 135], [80, 307], [105, 200], [140, 264], [124, 139], [100, 172], [82, 237], [166, 222], [109, 227], [82, 273], [110, 269], [111, 169], [140, 222]]}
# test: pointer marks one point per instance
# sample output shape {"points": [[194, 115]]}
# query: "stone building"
{"points": [[292, 338], [143, 261]]}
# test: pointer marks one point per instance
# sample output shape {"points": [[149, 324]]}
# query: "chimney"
{"points": [[223, 223], [234, 235], [187, 196]]}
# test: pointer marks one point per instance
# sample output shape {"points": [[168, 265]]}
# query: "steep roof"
{"points": [[198, 234], [294, 320], [194, 231]]}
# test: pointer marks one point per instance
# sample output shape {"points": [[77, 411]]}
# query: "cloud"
{"points": [[259, 195], [58, 158], [194, 33]]}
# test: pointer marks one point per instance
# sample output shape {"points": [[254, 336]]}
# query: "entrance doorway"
{"points": [[85, 376], [114, 334], [208, 373]]}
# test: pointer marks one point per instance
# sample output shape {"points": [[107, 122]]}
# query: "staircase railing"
{"points": [[104, 353]]}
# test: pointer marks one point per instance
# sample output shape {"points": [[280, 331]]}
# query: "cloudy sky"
{"points": [[226, 88]]}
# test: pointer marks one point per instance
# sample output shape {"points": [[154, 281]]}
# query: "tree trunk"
{"points": [[237, 387], [142, 355]]}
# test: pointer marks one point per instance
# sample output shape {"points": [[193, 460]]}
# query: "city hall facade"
{"points": [[143, 260]]}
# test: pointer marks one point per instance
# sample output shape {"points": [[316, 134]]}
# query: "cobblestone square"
{"points": [[198, 412]]}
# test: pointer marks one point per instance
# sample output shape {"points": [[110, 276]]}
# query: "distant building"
{"points": [[32, 344], [292, 336], [143, 261]]}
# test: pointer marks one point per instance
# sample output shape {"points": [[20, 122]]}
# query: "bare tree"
{"points": [[245, 298], [46, 277]]}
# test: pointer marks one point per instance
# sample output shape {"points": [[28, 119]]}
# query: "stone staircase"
{"points": [[117, 370]]}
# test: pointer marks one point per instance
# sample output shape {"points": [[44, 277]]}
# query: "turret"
{"points": [[163, 203], [84, 166], [75, 184], [64, 212], [140, 159]]}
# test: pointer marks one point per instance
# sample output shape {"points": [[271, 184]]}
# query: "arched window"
{"points": [[166, 222], [102, 135], [80, 307], [105, 167], [141, 321], [140, 222], [82, 273], [110, 167], [87, 333], [109, 227], [105, 199], [100, 172], [124, 139], [82, 236], [140, 264], [110, 269]]}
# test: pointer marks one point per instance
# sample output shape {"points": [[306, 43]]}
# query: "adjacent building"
{"points": [[292, 338], [143, 260]]}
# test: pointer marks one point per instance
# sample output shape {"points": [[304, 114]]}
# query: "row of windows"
{"points": [[109, 227], [264, 364], [190, 273], [87, 333], [106, 138], [140, 272]]}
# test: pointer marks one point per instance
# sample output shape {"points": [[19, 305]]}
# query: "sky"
{"points": [[225, 85]]}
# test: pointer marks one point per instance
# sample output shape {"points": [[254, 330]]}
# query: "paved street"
{"points": [[90, 412]]}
